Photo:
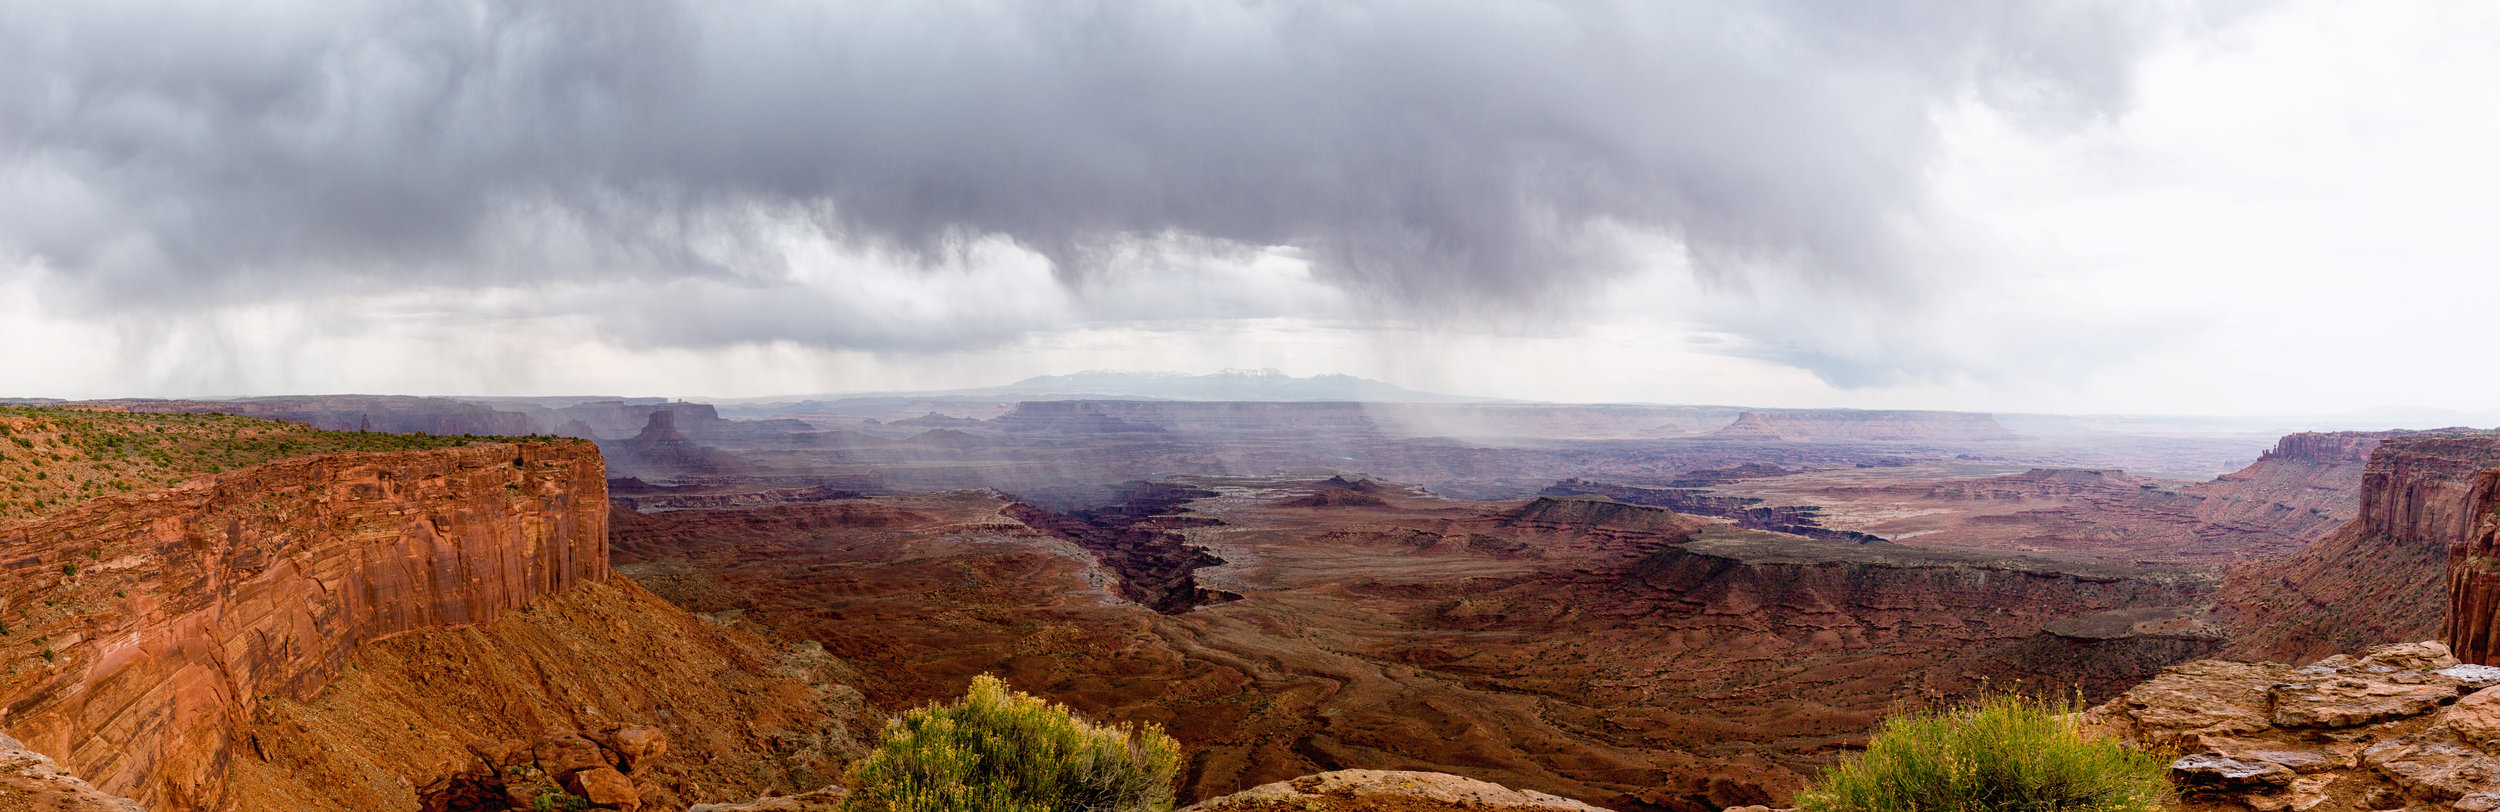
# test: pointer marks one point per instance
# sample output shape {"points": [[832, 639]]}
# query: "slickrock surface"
{"points": [[1388, 791], [2400, 727], [31, 782], [144, 632]]}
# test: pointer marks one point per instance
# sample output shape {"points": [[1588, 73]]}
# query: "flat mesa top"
{"points": [[53, 458]]}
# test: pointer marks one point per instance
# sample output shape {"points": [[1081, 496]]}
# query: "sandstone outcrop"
{"points": [[32, 782], [2392, 572], [146, 631], [661, 450], [2400, 726], [2301, 488], [1598, 515], [1388, 791], [1748, 512]]}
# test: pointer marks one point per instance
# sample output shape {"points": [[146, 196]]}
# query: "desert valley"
{"points": [[1249, 406], [368, 603]]}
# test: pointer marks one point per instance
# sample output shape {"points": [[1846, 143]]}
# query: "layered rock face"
{"points": [[1829, 426], [2302, 488], [2424, 500], [148, 630], [662, 450], [1749, 512], [1616, 654]]}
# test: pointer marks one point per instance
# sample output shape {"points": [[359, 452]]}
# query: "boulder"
{"points": [[2477, 718], [605, 787], [635, 745], [564, 754], [2428, 655], [499, 753]]}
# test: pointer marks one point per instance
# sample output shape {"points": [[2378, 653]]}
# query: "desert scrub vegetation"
{"points": [[2002, 754], [1000, 750], [53, 458]]}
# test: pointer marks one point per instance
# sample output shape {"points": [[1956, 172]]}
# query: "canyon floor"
{"points": [[1641, 608], [1618, 654]]}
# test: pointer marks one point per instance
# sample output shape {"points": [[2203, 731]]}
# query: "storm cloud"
{"points": [[1430, 155]]}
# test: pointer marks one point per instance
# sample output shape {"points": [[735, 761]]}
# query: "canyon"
{"points": [[147, 630], [1623, 655], [359, 630], [1633, 608]]}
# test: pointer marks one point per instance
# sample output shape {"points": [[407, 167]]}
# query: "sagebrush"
{"points": [[999, 750], [2003, 754]]}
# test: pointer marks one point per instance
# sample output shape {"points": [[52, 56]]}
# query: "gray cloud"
{"points": [[1435, 156]]}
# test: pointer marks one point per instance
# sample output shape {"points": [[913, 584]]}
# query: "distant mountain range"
{"points": [[1229, 385]]}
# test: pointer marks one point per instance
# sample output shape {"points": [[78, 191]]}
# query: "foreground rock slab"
{"points": [[31, 782], [2398, 727], [1388, 791]]}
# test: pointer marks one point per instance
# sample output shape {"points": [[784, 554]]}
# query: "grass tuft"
{"points": [[2003, 754], [1000, 750]]}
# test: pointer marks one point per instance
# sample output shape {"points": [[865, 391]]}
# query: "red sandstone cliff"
{"points": [[2302, 488], [145, 630], [2379, 576], [2472, 627]]}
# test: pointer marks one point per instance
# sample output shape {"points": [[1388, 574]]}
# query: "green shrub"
{"points": [[556, 800], [1000, 750], [2005, 754]]}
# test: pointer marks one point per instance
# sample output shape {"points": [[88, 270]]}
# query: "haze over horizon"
{"points": [[2157, 207]]}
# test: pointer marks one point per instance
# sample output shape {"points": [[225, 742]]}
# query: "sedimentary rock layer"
{"points": [[2400, 726], [1617, 654], [142, 632], [2380, 576], [1844, 425]]}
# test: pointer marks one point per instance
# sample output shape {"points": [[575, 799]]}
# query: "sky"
{"points": [[2155, 207]]}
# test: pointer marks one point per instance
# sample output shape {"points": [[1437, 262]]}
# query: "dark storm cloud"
{"points": [[1434, 153]]}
